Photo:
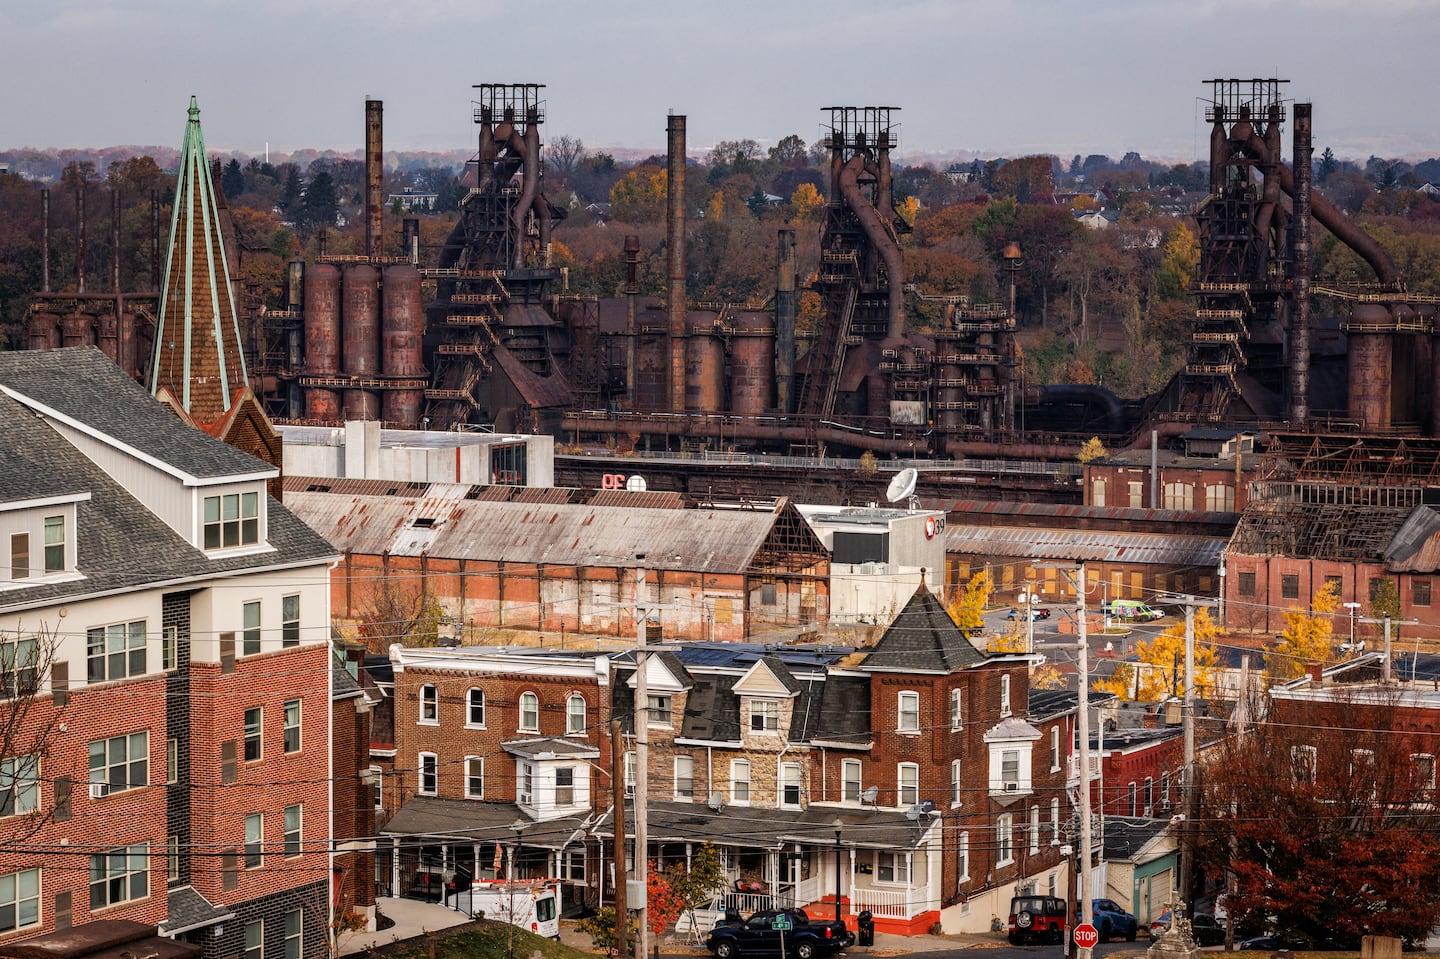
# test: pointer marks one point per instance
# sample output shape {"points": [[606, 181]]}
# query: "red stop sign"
{"points": [[1086, 936]]}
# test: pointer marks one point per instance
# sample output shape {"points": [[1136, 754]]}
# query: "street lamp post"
{"points": [[838, 825], [1354, 609]]}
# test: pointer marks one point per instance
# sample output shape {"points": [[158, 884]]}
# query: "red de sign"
{"points": [[1086, 936]]}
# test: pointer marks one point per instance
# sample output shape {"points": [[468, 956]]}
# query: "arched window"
{"points": [[529, 712], [575, 715]]}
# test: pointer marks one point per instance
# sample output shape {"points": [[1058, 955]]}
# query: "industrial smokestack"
{"points": [[785, 304], [1300, 236], [45, 240], [410, 233], [80, 190], [675, 247], [374, 171]]}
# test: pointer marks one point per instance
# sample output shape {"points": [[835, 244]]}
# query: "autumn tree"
{"points": [[1309, 636], [968, 609], [1120, 683], [806, 203], [639, 196], [1092, 450], [1327, 829], [790, 151], [399, 610], [1161, 661], [1015, 639]]}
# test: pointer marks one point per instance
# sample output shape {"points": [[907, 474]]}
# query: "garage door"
{"points": [[1161, 885]]}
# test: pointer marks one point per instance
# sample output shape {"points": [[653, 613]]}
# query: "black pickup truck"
{"points": [[795, 934]]}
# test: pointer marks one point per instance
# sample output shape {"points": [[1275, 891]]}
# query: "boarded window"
{"points": [[1246, 585], [1289, 585]]}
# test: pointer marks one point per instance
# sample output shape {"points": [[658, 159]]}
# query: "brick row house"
{"points": [[165, 656], [916, 762]]}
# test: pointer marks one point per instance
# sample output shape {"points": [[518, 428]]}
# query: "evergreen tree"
{"points": [[232, 181], [290, 198], [320, 203]]}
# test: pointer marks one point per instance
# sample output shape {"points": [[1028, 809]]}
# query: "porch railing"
{"points": [[883, 903]]}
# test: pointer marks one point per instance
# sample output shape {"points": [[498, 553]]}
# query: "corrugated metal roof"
{"points": [[1090, 545], [562, 534], [360, 487], [651, 499], [1050, 510]]}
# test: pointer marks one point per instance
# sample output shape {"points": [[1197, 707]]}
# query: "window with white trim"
{"points": [[660, 707], [1010, 766], [475, 708], [253, 727], [1034, 830], [19, 785], [740, 781], [850, 788], [250, 628], [294, 933], [907, 713], [572, 865], [429, 770], [232, 520], [955, 788], [291, 729], [19, 659], [1005, 840], [957, 708], [1005, 695], [685, 778], [529, 713], [1149, 796], [474, 777], [962, 857], [1424, 765], [54, 544], [564, 785], [115, 652], [1133, 796], [290, 621], [254, 940], [172, 761], [525, 788], [1055, 747], [169, 648], [790, 785], [254, 841], [575, 715], [908, 784], [294, 818], [429, 705], [120, 875], [892, 867], [630, 773], [172, 858], [1054, 822], [120, 763], [764, 716]]}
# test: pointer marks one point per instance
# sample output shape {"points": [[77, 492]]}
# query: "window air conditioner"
{"points": [[1012, 787], [99, 790], [629, 790]]}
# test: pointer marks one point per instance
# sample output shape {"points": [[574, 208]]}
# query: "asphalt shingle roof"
{"points": [[83, 384], [485, 821], [923, 638]]}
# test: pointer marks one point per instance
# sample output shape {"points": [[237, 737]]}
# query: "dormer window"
{"points": [[54, 544], [231, 520], [764, 716]]}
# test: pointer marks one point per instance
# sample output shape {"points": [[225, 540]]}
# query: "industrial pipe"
{"points": [[785, 312], [1330, 217], [875, 229], [528, 149]]}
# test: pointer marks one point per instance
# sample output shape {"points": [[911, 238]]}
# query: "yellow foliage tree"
{"points": [[968, 609], [639, 196], [908, 209], [1092, 450], [1117, 683], [1046, 676], [1308, 637], [1013, 640], [806, 202], [1162, 660]]}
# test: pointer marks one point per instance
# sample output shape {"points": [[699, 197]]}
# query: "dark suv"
{"points": [[798, 937], [1037, 919]]}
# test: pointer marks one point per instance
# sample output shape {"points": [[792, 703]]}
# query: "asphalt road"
{"points": [[1001, 951]]}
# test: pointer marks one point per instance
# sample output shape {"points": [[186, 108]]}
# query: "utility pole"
{"points": [[1386, 621], [1187, 715], [642, 760], [1083, 727], [617, 783]]}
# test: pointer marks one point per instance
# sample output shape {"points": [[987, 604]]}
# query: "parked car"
{"points": [[757, 936], [1131, 611], [1036, 613], [1110, 920], [1037, 919]]}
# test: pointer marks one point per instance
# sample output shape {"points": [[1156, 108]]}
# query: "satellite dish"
{"points": [[927, 806], [913, 813], [716, 802], [635, 484], [870, 795], [902, 485]]}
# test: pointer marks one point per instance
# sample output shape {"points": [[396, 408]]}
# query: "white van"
{"points": [[536, 903]]}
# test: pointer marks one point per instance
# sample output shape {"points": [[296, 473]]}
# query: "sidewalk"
{"points": [[413, 918]]}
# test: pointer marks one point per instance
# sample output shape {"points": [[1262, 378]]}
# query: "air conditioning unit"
{"points": [[99, 790], [1012, 787], [629, 790], [523, 799]]}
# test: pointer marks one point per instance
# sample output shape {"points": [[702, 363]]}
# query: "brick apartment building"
{"points": [[164, 627]]}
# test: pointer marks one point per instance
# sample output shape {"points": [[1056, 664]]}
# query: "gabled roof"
{"points": [[753, 683], [198, 356], [80, 386], [1130, 839], [923, 639]]}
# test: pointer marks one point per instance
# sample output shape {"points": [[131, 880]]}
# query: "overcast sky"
{"points": [[999, 77]]}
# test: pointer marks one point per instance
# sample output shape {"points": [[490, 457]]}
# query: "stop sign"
{"points": [[1086, 936]]}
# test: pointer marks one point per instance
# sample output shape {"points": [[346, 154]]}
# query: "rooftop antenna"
{"points": [[903, 486]]}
